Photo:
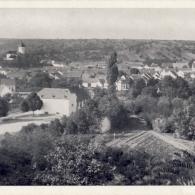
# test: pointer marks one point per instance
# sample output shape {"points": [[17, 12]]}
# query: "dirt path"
{"points": [[15, 125]]}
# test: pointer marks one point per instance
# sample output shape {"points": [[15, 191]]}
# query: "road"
{"points": [[14, 123]]}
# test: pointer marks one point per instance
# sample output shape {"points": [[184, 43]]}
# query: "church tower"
{"points": [[21, 48]]}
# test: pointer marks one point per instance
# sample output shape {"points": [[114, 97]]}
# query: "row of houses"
{"points": [[91, 80]]}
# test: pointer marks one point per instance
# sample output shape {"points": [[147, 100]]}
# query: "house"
{"points": [[92, 79], [192, 75], [167, 72], [59, 101], [156, 75], [11, 55], [7, 86], [122, 84], [3, 71], [58, 64], [181, 74], [147, 76], [95, 82]]}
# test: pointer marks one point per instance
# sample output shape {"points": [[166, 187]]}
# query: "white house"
{"points": [[181, 74], [95, 82], [58, 64], [156, 75], [7, 86], [58, 101], [92, 79], [122, 83], [11, 55], [4, 72]]}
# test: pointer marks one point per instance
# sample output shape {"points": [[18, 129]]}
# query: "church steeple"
{"points": [[21, 48]]}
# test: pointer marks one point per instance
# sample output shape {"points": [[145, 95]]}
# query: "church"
{"points": [[11, 55]]}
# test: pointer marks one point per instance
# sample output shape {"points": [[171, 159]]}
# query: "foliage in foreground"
{"points": [[41, 156]]}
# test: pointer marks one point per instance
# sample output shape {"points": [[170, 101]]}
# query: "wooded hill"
{"points": [[100, 49]]}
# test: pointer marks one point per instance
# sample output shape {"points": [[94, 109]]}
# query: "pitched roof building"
{"points": [[59, 101]]}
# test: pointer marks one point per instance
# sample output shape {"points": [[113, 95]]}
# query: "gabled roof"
{"points": [[54, 93], [147, 76], [72, 74], [174, 73]]}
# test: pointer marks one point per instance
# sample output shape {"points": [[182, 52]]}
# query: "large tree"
{"points": [[34, 102], [74, 162], [112, 72]]}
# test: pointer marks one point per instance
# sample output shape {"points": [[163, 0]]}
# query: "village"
{"points": [[87, 76], [97, 97]]}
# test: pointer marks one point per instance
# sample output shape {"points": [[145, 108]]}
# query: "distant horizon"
{"points": [[21, 39], [98, 23]]}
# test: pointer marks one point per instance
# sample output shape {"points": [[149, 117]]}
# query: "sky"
{"points": [[99, 23]]}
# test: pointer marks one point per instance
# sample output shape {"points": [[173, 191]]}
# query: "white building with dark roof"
{"points": [[11, 55], [58, 101]]}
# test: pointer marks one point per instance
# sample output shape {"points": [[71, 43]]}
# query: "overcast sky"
{"points": [[98, 23]]}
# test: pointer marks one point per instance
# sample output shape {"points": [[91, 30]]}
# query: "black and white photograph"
{"points": [[97, 97]]}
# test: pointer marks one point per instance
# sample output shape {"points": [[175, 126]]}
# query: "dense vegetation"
{"points": [[167, 105], [68, 151], [98, 50], [44, 155]]}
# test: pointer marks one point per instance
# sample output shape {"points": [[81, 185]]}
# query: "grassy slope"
{"points": [[159, 146]]}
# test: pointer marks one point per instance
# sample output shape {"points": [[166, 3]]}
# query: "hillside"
{"points": [[159, 145], [99, 49]]}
